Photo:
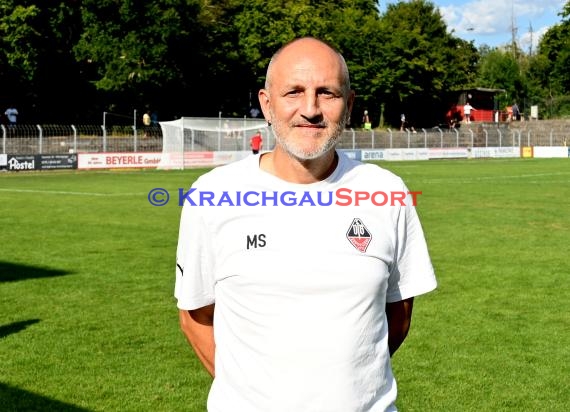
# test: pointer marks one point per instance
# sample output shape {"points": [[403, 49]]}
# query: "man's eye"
{"points": [[326, 93], [293, 93]]}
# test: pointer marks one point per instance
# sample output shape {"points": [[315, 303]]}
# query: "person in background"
{"points": [[254, 112], [12, 115], [256, 142], [404, 124], [366, 121], [467, 109], [516, 111], [146, 123], [300, 308]]}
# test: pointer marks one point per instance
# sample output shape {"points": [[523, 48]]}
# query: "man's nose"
{"points": [[311, 107]]}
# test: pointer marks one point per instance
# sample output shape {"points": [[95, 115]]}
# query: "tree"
{"points": [[37, 66], [143, 54], [420, 62], [76, 59], [361, 54], [498, 69], [550, 68], [262, 27]]}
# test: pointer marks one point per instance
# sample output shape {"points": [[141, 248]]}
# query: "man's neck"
{"points": [[291, 169]]}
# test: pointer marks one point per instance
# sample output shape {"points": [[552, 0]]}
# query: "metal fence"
{"points": [[64, 139], [465, 136], [61, 139]]}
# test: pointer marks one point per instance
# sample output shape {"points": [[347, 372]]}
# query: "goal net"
{"points": [[193, 141]]}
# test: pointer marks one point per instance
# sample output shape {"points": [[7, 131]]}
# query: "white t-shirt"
{"points": [[300, 290]]}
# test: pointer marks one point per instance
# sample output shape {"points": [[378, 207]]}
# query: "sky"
{"points": [[490, 21]]}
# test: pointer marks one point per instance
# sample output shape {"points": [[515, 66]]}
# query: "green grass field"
{"points": [[88, 321]]}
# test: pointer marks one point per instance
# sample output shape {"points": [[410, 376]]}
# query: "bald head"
{"points": [[307, 99], [310, 48]]}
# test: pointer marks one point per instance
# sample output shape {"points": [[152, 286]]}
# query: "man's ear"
{"points": [[350, 104], [264, 103]]}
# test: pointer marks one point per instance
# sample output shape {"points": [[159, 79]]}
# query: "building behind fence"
{"points": [[64, 139]]}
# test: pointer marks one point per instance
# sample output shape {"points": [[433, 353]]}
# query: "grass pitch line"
{"points": [[63, 192], [496, 177]]}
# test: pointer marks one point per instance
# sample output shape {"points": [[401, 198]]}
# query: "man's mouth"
{"points": [[311, 125]]}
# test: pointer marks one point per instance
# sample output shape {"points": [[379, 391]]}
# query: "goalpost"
{"points": [[186, 139]]}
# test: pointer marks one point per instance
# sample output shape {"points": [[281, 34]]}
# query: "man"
{"points": [[12, 115], [366, 121], [146, 123], [256, 142], [516, 111], [300, 307], [146, 119], [467, 109]]}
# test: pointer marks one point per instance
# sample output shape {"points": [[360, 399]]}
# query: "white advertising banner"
{"points": [[396, 154], [547, 151], [415, 154], [496, 152], [368, 155], [448, 153], [117, 160], [150, 160]]}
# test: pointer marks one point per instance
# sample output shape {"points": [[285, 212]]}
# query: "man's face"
{"points": [[306, 101]]}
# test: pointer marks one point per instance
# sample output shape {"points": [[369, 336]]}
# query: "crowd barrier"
{"points": [[49, 147], [140, 160]]}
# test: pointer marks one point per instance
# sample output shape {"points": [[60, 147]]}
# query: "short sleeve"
{"points": [[195, 281], [412, 272]]}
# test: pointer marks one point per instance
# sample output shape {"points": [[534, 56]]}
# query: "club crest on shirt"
{"points": [[358, 235]]}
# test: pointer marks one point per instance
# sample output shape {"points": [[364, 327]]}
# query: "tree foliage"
{"points": [[262, 27], [142, 53], [68, 60], [36, 39], [498, 69], [549, 69], [420, 61]]}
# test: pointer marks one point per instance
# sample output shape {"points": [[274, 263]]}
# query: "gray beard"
{"points": [[295, 152]]}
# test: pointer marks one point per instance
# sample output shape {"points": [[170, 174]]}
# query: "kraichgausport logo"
{"points": [[358, 235], [340, 197]]}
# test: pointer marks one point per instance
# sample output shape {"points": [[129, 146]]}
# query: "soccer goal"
{"points": [[195, 141]]}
